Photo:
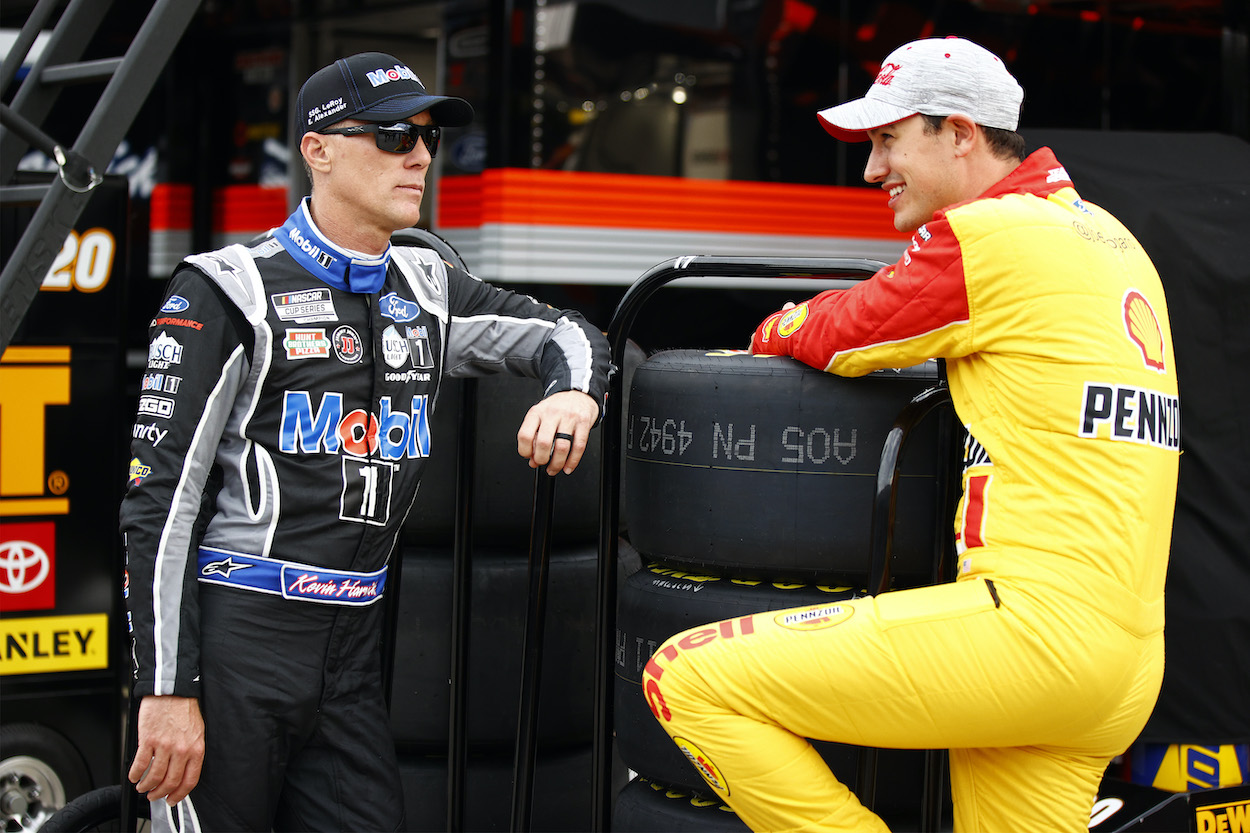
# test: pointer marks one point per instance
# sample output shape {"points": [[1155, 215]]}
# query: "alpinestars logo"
{"points": [[224, 567]]}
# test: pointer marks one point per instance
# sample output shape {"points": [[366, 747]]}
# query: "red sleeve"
{"points": [[906, 313]]}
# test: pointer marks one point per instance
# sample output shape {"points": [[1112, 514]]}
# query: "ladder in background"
{"points": [[129, 80]]}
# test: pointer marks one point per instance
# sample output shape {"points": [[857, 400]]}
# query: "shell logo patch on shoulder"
{"points": [[1142, 326]]}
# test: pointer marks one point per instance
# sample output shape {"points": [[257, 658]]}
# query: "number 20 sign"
{"points": [[84, 262]]}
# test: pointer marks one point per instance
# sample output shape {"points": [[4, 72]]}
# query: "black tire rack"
{"points": [[658, 600]]}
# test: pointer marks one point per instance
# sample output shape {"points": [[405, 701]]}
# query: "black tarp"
{"points": [[1186, 197]]}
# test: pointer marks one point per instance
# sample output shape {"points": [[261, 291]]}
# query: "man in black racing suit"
{"points": [[283, 427]]}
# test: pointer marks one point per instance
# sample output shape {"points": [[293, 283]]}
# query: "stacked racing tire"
{"points": [[748, 486]]}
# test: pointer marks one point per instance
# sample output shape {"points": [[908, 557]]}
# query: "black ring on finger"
{"points": [[560, 436]]}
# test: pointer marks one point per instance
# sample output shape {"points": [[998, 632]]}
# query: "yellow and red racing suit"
{"points": [[1043, 660]]}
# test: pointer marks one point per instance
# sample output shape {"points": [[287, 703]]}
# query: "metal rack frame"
{"points": [[935, 400], [129, 80]]}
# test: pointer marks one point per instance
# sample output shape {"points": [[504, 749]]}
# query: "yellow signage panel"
{"points": [[1233, 817], [46, 644], [32, 379]]}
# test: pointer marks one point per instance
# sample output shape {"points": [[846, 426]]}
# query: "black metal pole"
{"points": [[129, 815], [390, 622], [532, 657], [461, 608]]}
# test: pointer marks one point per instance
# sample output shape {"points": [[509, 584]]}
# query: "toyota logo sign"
{"points": [[23, 566], [28, 565]]}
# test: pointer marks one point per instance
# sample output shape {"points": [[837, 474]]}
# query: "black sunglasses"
{"points": [[395, 138]]}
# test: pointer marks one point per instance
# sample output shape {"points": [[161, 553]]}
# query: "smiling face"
{"points": [[361, 194], [919, 170]]}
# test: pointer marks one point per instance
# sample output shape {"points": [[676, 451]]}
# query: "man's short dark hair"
{"points": [[1004, 144]]}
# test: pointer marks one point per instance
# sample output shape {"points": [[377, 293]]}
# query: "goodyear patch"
{"points": [[46, 644]]}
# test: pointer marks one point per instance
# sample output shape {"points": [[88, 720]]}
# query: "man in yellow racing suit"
{"points": [[1043, 660]]}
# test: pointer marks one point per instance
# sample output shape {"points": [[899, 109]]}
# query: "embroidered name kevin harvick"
{"points": [[313, 586], [1135, 415]]}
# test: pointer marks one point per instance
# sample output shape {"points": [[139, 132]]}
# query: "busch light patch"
{"points": [[164, 352], [394, 347]]}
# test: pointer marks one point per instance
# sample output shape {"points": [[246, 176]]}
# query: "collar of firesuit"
{"points": [[339, 267]]}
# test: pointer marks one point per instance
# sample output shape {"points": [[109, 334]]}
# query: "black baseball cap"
{"points": [[376, 87]]}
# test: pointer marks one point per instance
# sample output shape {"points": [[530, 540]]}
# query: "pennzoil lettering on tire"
{"points": [[763, 467], [660, 600]]}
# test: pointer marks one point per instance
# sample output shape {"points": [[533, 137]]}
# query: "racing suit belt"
{"points": [[290, 579]]}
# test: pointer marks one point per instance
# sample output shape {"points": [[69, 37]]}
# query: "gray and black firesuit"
{"points": [[283, 425]]}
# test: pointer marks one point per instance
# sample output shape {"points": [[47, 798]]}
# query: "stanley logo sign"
{"points": [[45, 644]]}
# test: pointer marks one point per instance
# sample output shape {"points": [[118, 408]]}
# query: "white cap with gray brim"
{"points": [[934, 77]]}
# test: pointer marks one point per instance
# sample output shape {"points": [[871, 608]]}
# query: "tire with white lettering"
{"points": [[660, 600], [420, 694], [763, 467], [503, 486], [39, 771]]}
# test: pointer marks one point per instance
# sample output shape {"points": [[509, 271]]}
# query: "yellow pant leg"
{"points": [[935, 667], [1010, 790]]}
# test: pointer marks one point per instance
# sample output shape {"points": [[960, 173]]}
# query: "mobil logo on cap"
{"points": [[384, 76]]}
